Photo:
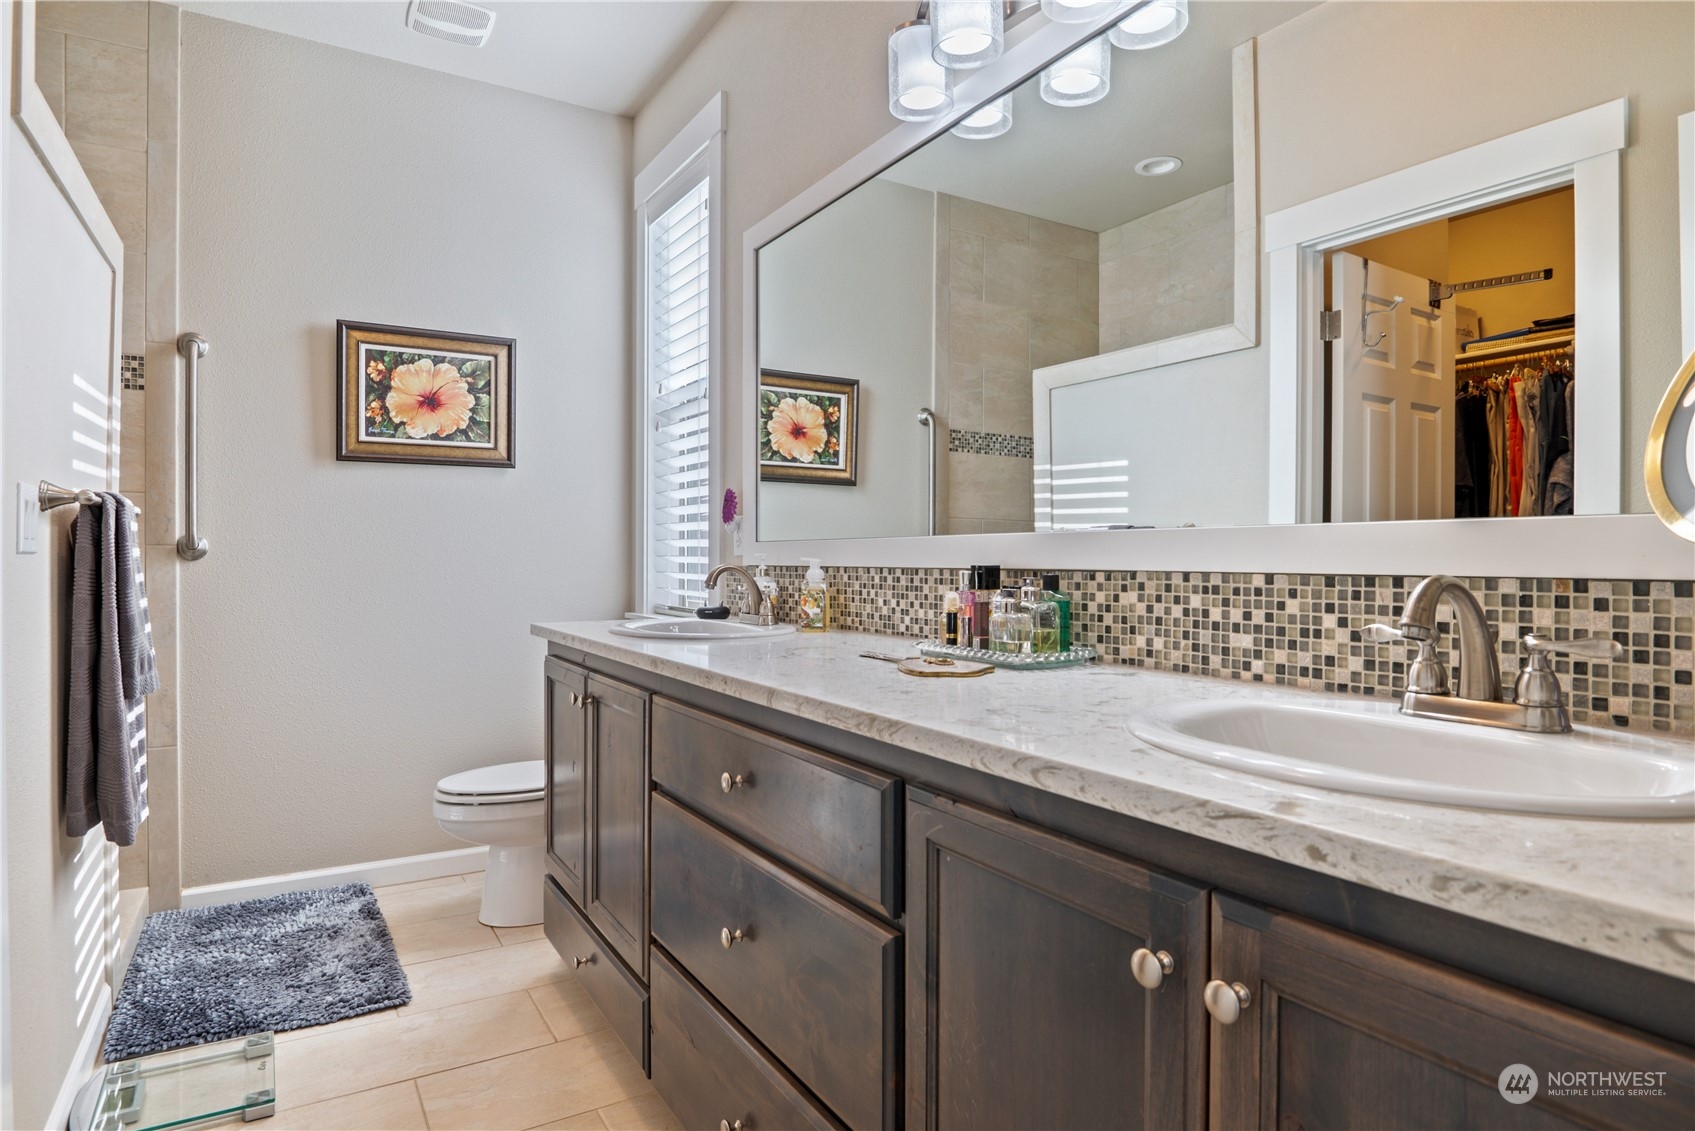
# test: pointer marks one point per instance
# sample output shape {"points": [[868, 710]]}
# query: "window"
{"points": [[679, 366]]}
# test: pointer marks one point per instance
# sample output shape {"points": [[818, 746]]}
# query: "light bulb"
{"points": [[967, 33], [989, 120], [1160, 22], [1082, 77], [920, 89]]}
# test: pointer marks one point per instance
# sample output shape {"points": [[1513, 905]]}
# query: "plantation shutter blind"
{"points": [[678, 403]]}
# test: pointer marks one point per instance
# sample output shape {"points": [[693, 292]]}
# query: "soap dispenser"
{"points": [[814, 599]]}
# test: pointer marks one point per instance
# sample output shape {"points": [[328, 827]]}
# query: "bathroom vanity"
{"points": [[810, 892]]}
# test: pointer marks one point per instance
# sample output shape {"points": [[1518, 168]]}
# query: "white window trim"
{"points": [[701, 138]]}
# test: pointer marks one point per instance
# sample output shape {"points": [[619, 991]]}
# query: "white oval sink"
{"points": [[1373, 749], [695, 629]]}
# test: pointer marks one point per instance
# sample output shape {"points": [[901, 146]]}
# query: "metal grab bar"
{"points": [[193, 347], [927, 419]]}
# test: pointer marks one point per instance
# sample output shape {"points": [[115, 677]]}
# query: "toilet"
{"points": [[502, 807]]}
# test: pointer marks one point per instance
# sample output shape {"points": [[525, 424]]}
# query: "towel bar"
{"points": [[53, 496]]}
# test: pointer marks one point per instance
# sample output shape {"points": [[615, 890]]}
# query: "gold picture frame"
{"points": [[1668, 463], [807, 428], [424, 396]]}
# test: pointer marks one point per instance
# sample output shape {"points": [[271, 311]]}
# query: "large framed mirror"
{"points": [[1108, 238]]}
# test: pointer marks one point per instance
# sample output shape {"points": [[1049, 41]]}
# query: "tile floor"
{"points": [[498, 1035]]}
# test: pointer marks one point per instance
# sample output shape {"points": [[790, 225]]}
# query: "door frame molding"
{"points": [[1581, 150]]}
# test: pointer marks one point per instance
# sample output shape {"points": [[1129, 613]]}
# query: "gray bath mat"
{"points": [[279, 962]]}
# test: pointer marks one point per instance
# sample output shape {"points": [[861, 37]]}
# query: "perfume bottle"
{"points": [[950, 619], [1009, 623], [986, 584], [1050, 590], [1044, 617], [967, 608]]}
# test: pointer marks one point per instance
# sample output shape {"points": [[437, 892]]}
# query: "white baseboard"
{"points": [[84, 1062], [402, 870]]}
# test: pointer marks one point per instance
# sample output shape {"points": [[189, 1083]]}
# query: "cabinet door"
{"points": [[567, 775], [1341, 1032], [1022, 1010], [618, 791]]}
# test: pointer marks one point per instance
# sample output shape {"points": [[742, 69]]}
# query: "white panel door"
{"points": [[1392, 396]]}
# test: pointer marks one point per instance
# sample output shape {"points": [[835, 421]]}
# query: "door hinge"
{"points": [[1329, 325]]}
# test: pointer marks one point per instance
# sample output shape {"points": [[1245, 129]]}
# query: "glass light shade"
{"points": [[920, 89], [992, 119], [966, 33], [1160, 22], [1082, 77], [1076, 11]]}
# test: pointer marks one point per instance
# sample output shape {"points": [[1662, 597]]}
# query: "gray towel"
{"points": [[112, 670]]}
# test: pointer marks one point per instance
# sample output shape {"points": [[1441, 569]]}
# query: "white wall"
{"points": [[359, 630], [57, 294], [851, 294]]}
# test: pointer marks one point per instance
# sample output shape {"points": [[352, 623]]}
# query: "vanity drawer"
{"points": [[815, 980], [614, 989], [711, 1072], [837, 822]]}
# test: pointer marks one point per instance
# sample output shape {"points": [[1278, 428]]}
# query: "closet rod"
{"points": [[1514, 348], [1525, 355]]}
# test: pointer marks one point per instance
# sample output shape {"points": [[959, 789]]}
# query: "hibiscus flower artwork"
{"points": [[424, 396], [808, 428]]}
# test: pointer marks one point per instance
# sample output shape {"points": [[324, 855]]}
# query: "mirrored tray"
{"points": [[1020, 661]]}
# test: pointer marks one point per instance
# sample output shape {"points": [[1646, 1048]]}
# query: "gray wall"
{"points": [[360, 630]]}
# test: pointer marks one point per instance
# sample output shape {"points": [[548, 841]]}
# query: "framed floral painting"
{"points": [[808, 428], [424, 396]]}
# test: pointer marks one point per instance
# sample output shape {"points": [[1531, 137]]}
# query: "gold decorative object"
{"points": [[1669, 463]]}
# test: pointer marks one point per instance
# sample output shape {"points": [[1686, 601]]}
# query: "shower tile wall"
{"points": [[1013, 293], [1168, 273], [1299, 630], [109, 72]]}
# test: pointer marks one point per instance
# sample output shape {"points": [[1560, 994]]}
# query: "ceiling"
{"points": [[1075, 165], [603, 54]]}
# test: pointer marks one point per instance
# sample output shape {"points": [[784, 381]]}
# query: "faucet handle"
{"points": [[1427, 675], [1586, 647]]}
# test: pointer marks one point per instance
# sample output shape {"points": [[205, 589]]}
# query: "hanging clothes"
{"points": [[1513, 445]]}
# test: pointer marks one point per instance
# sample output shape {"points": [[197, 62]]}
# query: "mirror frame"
{"points": [[1584, 546]]}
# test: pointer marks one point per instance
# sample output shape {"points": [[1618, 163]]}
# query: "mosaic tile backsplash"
{"points": [[1299, 629]]}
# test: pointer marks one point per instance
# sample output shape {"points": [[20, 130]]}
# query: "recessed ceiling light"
{"points": [[1158, 166]]}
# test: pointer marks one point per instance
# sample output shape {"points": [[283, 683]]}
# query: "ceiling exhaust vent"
{"points": [[452, 20]]}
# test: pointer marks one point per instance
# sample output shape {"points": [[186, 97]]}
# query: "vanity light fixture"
{"points": [[1076, 11], [1160, 22], [967, 33], [1158, 166], [1082, 77], [992, 119], [920, 89]]}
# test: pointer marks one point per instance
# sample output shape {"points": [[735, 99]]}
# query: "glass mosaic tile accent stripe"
{"points": [[132, 371], [991, 443], [1299, 630]]}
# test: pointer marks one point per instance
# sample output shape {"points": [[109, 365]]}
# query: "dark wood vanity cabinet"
{"points": [[1340, 1032], [616, 888], [567, 775]]}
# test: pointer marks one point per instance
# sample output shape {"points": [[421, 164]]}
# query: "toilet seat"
{"points": [[509, 783]]}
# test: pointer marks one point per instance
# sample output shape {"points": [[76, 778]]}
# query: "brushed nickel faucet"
{"points": [[1539, 701], [757, 595]]}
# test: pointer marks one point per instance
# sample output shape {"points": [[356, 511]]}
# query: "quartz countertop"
{"points": [[1621, 888]]}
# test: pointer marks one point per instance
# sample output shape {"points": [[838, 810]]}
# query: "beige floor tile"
{"points": [[438, 901], [392, 1108], [529, 1088], [644, 1113], [363, 1019], [567, 1009], [430, 939], [484, 973], [356, 1060], [511, 935], [417, 885], [588, 1121]]}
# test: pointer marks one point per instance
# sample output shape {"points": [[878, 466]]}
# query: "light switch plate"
{"points": [[29, 518]]}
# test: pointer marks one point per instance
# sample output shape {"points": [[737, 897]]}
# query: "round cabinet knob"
{"points": [[1149, 967], [727, 783], [727, 1125], [579, 963], [1226, 1000], [730, 938]]}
